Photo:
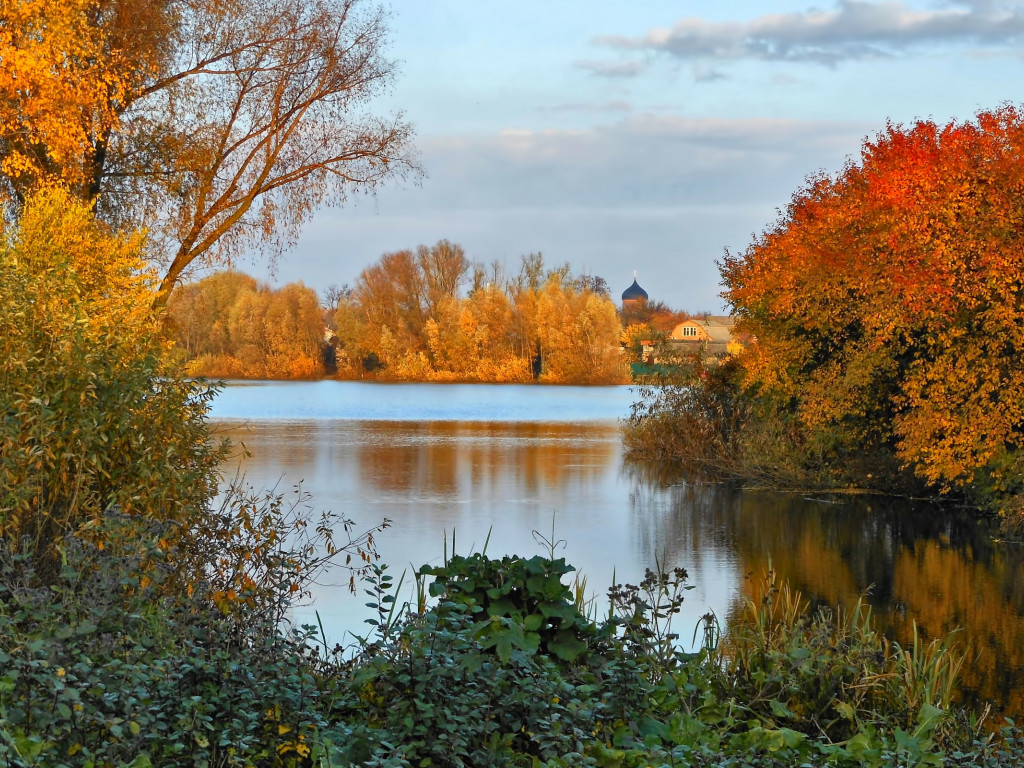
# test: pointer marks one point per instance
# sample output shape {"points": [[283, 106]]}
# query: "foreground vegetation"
{"points": [[111, 665], [887, 312], [142, 624]]}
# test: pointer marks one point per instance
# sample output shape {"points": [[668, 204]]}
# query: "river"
{"points": [[511, 466]]}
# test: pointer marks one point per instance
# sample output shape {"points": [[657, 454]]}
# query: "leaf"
{"points": [[781, 710], [533, 622], [567, 646]]}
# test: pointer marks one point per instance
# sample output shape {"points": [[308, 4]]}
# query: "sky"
{"points": [[647, 136]]}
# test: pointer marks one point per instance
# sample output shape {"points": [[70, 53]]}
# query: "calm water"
{"points": [[496, 463]]}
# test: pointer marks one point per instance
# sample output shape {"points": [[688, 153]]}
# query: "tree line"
{"points": [[428, 314]]}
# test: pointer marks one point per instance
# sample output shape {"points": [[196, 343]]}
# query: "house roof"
{"points": [[717, 327]]}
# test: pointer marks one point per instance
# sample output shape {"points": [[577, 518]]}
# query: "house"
{"points": [[716, 328], [708, 334]]}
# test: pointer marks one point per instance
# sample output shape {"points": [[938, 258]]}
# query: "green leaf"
{"points": [[567, 646], [846, 711], [533, 622]]}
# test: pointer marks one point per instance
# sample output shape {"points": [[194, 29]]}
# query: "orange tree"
{"points": [[220, 126], [887, 305]]}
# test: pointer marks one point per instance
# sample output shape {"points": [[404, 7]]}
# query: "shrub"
{"points": [[109, 662], [105, 668], [829, 673], [91, 413], [517, 603]]}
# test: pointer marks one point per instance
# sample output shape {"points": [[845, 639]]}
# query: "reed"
{"points": [[829, 672]]}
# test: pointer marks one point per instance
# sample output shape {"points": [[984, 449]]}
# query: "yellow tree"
{"points": [[219, 125], [92, 413], [62, 86], [295, 330], [199, 313], [579, 335], [501, 355]]}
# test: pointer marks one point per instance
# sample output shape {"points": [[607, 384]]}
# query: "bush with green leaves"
{"points": [[107, 667], [103, 668], [517, 603], [91, 412], [473, 681], [781, 687], [107, 662]]}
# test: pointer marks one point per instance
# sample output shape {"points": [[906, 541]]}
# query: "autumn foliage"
{"points": [[93, 415], [427, 314], [887, 305], [218, 126], [231, 326]]}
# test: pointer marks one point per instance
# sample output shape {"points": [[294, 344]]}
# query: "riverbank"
{"points": [[503, 666], [239, 373]]}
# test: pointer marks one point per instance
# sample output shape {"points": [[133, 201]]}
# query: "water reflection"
{"points": [[938, 568], [498, 481], [494, 482], [446, 461], [479, 459]]}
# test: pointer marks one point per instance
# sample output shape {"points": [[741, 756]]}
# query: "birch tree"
{"points": [[220, 125]]}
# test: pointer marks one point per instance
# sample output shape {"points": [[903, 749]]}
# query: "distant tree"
{"points": [[578, 335], [656, 314], [334, 294], [392, 295], [229, 325], [199, 312], [444, 267], [594, 284]]}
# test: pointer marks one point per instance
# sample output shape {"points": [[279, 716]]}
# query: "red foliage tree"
{"points": [[887, 300]]}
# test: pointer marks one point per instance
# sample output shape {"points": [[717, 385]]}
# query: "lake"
{"points": [[503, 465]]}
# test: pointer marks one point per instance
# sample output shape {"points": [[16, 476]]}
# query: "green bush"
{"points": [[103, 667], [431, 690], [91, 413], [473, 681], [517, 603]]}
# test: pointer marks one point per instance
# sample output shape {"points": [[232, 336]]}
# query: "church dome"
{"points": [[634, 293]]}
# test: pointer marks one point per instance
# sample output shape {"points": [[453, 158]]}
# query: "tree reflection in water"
{"points": [[923, 563], [499, 481]]}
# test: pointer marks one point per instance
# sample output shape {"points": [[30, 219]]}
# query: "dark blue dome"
{"points": [[634, 292]]}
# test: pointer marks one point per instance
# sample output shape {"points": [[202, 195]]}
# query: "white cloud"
{"points": [[639, 161], [852, 29], [630, 68]]}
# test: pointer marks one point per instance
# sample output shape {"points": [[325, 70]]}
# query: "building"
{"points": [[709, 334], [634, 297]]}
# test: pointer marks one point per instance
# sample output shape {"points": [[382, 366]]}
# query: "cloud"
{"points": [[659, 193], [608, 106], [612, 68], [640, 161], [852, 30]]}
